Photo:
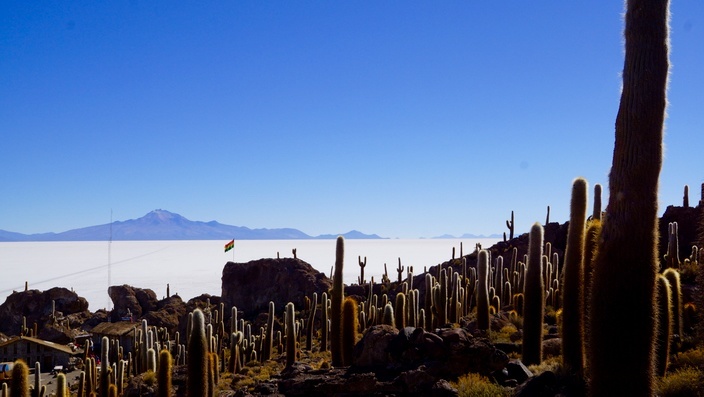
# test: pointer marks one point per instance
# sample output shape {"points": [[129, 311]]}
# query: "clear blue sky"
{"points": [[402, 118]]}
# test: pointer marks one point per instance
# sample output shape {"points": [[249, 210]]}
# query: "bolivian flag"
{"points": [[230, 245]]}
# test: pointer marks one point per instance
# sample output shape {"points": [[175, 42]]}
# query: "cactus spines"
{"points": [[510, 226], [324, 322], [596, 212], [290, 335], [90, 375], [19, 385], [269, 337], [673, 246], [82, 384], [483, 290], [628, 243], [665, 324], [349, 329], [673, 277], [104, 366], [388, 317], [336, 306], [61, 388], [573, 273], [37, 379], [400, 311], [151, 360], [310, 326], [534, 299], [197, 358]]}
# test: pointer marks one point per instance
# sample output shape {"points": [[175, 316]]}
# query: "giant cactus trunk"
{"points": [[626, 263], [572, 289]]}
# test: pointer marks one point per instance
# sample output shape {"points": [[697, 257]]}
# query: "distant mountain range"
{"points": [[165, 225], [468, 236]]}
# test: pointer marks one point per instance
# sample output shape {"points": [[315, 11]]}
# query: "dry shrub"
{"points": [[684, 382], [504, 335], [150, 378], [690, 358], [475, 385]]}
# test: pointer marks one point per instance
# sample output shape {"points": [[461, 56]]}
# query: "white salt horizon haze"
{"points": [[194, 267]]}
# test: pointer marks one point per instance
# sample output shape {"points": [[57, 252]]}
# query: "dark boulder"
{"points": [[131, 300], [251, 286], [36, 306]]}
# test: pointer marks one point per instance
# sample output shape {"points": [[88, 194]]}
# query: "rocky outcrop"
{"points": [[449, 353], [250, 286], [687, 219], [169, 313], [127, 299], [36, 306]]}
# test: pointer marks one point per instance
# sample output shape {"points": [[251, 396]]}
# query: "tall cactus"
{"points": [[628, 247], [324, 322], [510, 225], [82, 384], [19, 385], [336, 307], [37, 380], [197, 358], [310, 325], [483, 290], [572, 289], [665, 323], [362, 265], [673, 277], [104, 366], [596, 212], [400, 311], [61, 387], [269, 336], [534, 299], [290, 335], [349, 329]]}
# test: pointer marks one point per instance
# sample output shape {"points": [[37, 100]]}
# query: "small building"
{"points": [[122, 331], [31, 350]]}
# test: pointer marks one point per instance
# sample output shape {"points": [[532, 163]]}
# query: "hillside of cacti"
{"points": [[606, 304]]}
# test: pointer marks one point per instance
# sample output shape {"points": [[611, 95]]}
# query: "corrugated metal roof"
{"points": [[120, 328], [46, 343]]}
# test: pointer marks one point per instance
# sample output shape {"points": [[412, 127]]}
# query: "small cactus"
{"points": [[349, 329], [388, 317], [510, 225], [19, 384], [400, 311], [362, 265]]}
